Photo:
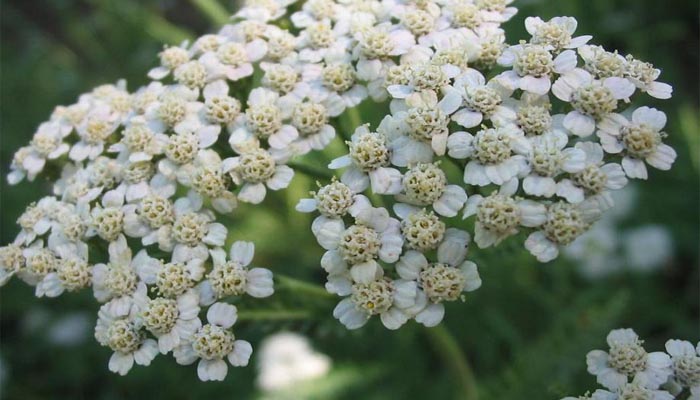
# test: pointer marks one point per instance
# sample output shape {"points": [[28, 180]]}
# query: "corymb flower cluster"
{"points": [[142, 177], [628, 371]]}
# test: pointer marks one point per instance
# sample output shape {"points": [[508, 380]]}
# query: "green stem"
{"points": [[311, 171], [449, 350], [161, 29], [683, 395], [273, 315], [214, 11], [294, 284], [354, 117]]}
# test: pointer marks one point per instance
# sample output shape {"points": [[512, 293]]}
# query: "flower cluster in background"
{"points": [[287, 359], [538, 133], [610, 247], [628, 371]]}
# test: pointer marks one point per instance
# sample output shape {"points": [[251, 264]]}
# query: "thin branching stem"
{"points": [[214, 11], [297, 285], [274, 315], [448, 349], [311, 171]]}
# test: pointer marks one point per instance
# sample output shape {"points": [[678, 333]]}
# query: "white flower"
{"points": [[643, 75], [685, 359], [602, 63], [35, 220], [47, 144], [177, 277], [425, 77], [647, 247], [595, 179], [178, 110], [565, 222], [118, 329], [382, 41], [263, 120], [481, 100], [138, 142], [638, 140], [628, 359], [391, 300], [151, 218], [212, 343], [94, 131], [12, 261], [334, 84], [426, 185], [441, 281], [232, 60], [375, 235], [596, 250], [255, 169], [635, 390], [419, 132], [592, 99], [193, 227], [424, 231], [264, 10], [496, 155], [119, 280], [316, 10], [333, 200], [497, 10], [170, 58], [311, 121], [556, 33], [71, 272], [549, 158], [206, 175], [367, 164], [320, 40], [533, 67], [499, 215], [232, 277], [286, 359], [171, 321]]}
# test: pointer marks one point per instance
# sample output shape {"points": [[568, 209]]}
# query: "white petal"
{"points": [[411, 264], [385, 181], [222, 314], [579, 124], [260, 283], [253, 193], [431, 315], [349, 315], [242, 350], [366, 272], [212, 370], [451, 201], [121, 363], [242, 252]]}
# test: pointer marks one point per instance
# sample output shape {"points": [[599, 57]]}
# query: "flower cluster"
{"points": [[539, 147], [628, 371]]}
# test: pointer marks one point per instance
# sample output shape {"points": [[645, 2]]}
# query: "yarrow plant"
{"points": [[540, 131], [628, 371]]}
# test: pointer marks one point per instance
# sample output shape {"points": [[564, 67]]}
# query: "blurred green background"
{"points": [[525, 333]]}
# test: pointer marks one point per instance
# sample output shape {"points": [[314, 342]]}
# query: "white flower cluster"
{"points": [[629, 372], [151, 170], [525, 167]]}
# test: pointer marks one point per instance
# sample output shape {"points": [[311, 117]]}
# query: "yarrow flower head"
{"points": [[629, 372], [628, 359], [146, 181]]}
